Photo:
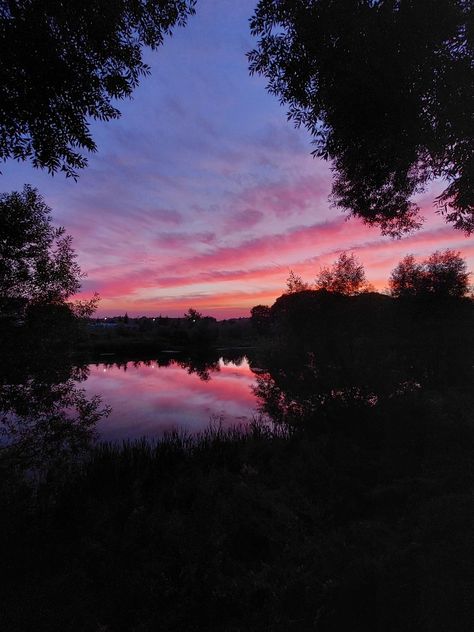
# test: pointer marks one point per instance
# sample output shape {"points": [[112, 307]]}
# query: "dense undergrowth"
{"points": [[366, 529]]}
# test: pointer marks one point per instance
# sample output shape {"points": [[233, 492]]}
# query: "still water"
{"points": [[148, 399]]}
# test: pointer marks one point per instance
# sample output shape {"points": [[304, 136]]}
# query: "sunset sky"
{"points": [[203, 195]]}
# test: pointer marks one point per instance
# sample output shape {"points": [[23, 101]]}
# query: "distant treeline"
{"points": [[309, 312], [439, 283], [193, 330]]}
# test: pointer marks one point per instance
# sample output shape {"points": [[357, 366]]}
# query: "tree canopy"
{"points": [[443, 274], [37, 262], [346, 276], [260, 316], [192, 315], [295, 283], [64, 63], [406, 278], [386, 89]]}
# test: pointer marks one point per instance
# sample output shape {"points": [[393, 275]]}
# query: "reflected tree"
{"points": [[46, 419], [362, 358], [201, 365], [44, 424]]}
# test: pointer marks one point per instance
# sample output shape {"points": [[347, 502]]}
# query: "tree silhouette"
{"points": [[406, 278], [37, 262], [443, 274], [295, 283], [260, 316], [446, 274], [345, 276], [45, 416], [385, 89], [192, 315], [64, 63]]}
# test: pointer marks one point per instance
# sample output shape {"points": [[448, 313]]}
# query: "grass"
{"points": [[255, 530]]}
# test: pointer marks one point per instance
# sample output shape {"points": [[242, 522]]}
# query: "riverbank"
{"points": [[360, 528], [159, 335]]}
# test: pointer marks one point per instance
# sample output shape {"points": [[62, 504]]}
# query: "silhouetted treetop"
{"points": [[62, 64], [386, 89], [443, 274], [295, 283], [260, 317], [406, 278], [192, 315], [345, 276]]}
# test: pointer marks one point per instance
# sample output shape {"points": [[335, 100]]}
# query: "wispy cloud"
{"points": [[203, 193]]}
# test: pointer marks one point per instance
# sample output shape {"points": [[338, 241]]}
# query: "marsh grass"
{"points": [[252, 529]]}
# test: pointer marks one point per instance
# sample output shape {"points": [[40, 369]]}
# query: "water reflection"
{"points": [[151, 397], [52, 408], [348, 373], [341, 375], [46, 417]]}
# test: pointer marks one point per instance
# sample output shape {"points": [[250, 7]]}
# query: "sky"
{"points": [[203, 195]]}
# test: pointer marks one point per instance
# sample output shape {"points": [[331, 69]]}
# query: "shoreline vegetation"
{"points": [[353, 509], [122, 335]]}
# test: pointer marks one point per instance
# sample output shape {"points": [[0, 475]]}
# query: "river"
{"points": [[149, 398]]}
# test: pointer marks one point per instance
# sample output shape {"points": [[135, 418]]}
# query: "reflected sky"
{"points": [[148, 400]]}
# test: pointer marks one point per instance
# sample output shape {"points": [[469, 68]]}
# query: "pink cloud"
{"points": [[147, 269], [242, 220], [181, 240], [287, 197], [257, 268], [272, 247]]}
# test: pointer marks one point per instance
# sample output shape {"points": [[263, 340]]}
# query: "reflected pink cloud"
{"points": [[149, 400]]}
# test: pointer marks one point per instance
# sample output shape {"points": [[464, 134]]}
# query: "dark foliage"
{"points": [[442, 275], [192, 315], [348, 513], [46, 419], [260, 318], [37, 262], [64, 63], [334, 355], [346, 276], [386, 89], [355, 529], [295, 283], [142, 336]]}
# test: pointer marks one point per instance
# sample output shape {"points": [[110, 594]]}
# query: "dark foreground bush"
{"points": [[367, 530]]}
